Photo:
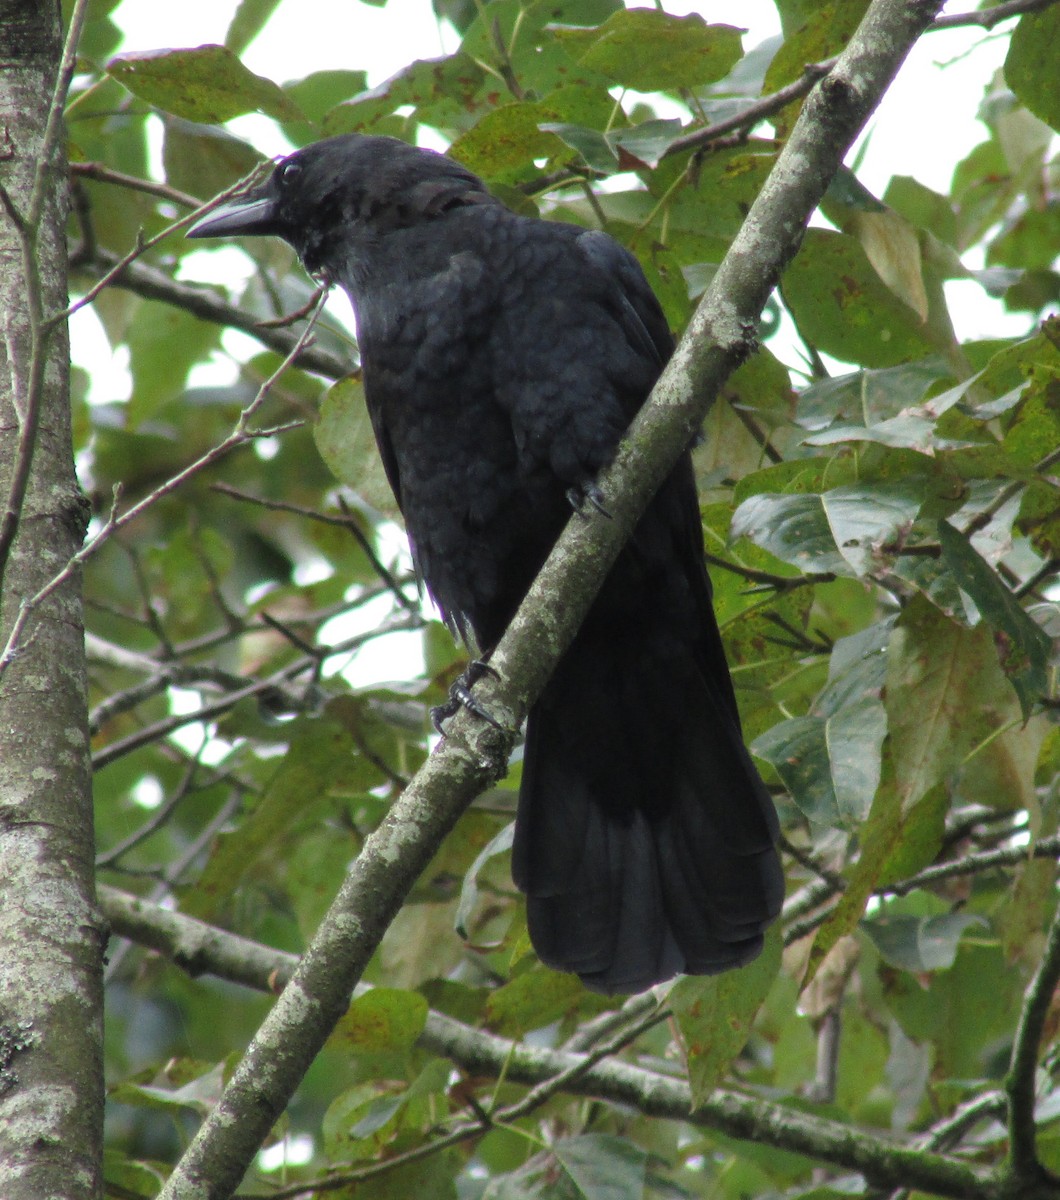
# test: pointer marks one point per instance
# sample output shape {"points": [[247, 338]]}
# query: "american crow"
{"points": [[503, 358]]}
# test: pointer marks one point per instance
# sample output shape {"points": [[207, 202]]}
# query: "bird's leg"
{"points": [[460, 696], [577, 496]]}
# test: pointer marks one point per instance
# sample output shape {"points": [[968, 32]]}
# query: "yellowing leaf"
{"points": [[893, 248]]}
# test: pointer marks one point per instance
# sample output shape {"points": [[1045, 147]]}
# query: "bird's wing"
{"points": [[641, 316]]}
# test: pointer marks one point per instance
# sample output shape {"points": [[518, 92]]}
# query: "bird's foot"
{"points": [[460, 696], [587, 492]]}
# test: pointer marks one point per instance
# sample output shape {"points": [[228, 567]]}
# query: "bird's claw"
{"points": [[461, 696], [577, 496]]}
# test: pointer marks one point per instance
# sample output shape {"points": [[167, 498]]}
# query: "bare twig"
{"points": [[120, 265], [104, 174], [148, 281], [347, 521], [780, 583], [208, 712], [974, 864], [983, 518], [1023, 1162], [987, 18], [757, 111]]}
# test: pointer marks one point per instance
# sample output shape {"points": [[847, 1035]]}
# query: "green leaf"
{"points": [[830, 765], [101, 35], [164, 344], [504, 143], [845, 309], [535, 999], [207, 84], [945, 696], [362, 1119], [382, 1020], [1034, 432], [1023, 646], [318, 93], [249, 20], [841, 531], [204, 160], [908, 432], [645, 144], [200, 1093], [602, 1167], [1030, 68], [925, 208], [346, 441], [812, 32], [518, 38], [443, 91], [879, 836], [920, 943], [321, 762], [868, 398], [593, 147], [714, 1015], [179, 574], [962, 1013], [652, 51]]}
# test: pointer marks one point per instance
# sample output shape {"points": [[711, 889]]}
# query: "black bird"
{"points": [[503, 358]]}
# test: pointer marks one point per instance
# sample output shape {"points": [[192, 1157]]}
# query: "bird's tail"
{"points": [[645, 839]]}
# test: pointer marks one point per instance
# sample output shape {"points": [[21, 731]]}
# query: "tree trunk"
{"points": [[51, 937]]}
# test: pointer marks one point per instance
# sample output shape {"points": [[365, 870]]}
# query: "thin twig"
{"points": [[347, 521], [105, 174], [162, 729], [1023, 1163], [534, 1099], [801, 919], [143, 244], [154, 822], [781, 583], [987, 18], [759, 110], [1050, 567], [982, 519], [144, 279], [974, 864]]}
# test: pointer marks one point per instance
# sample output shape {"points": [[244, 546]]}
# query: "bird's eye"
{"points": [[288, 171]]}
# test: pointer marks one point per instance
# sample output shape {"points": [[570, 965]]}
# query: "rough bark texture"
{"points": [[51, 1093]]}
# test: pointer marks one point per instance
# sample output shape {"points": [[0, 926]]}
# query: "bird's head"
{"points": [[337, 194]]}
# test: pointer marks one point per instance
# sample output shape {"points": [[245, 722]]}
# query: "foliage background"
{"points": [[883, 527]]}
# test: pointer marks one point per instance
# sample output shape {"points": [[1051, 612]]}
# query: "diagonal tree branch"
{"points": [[721, 335]]}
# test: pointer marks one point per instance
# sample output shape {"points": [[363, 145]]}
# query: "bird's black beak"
{"points": [[253, 213]]}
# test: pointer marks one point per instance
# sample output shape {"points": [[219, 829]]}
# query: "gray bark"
{"points": [[51, 1088]]}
